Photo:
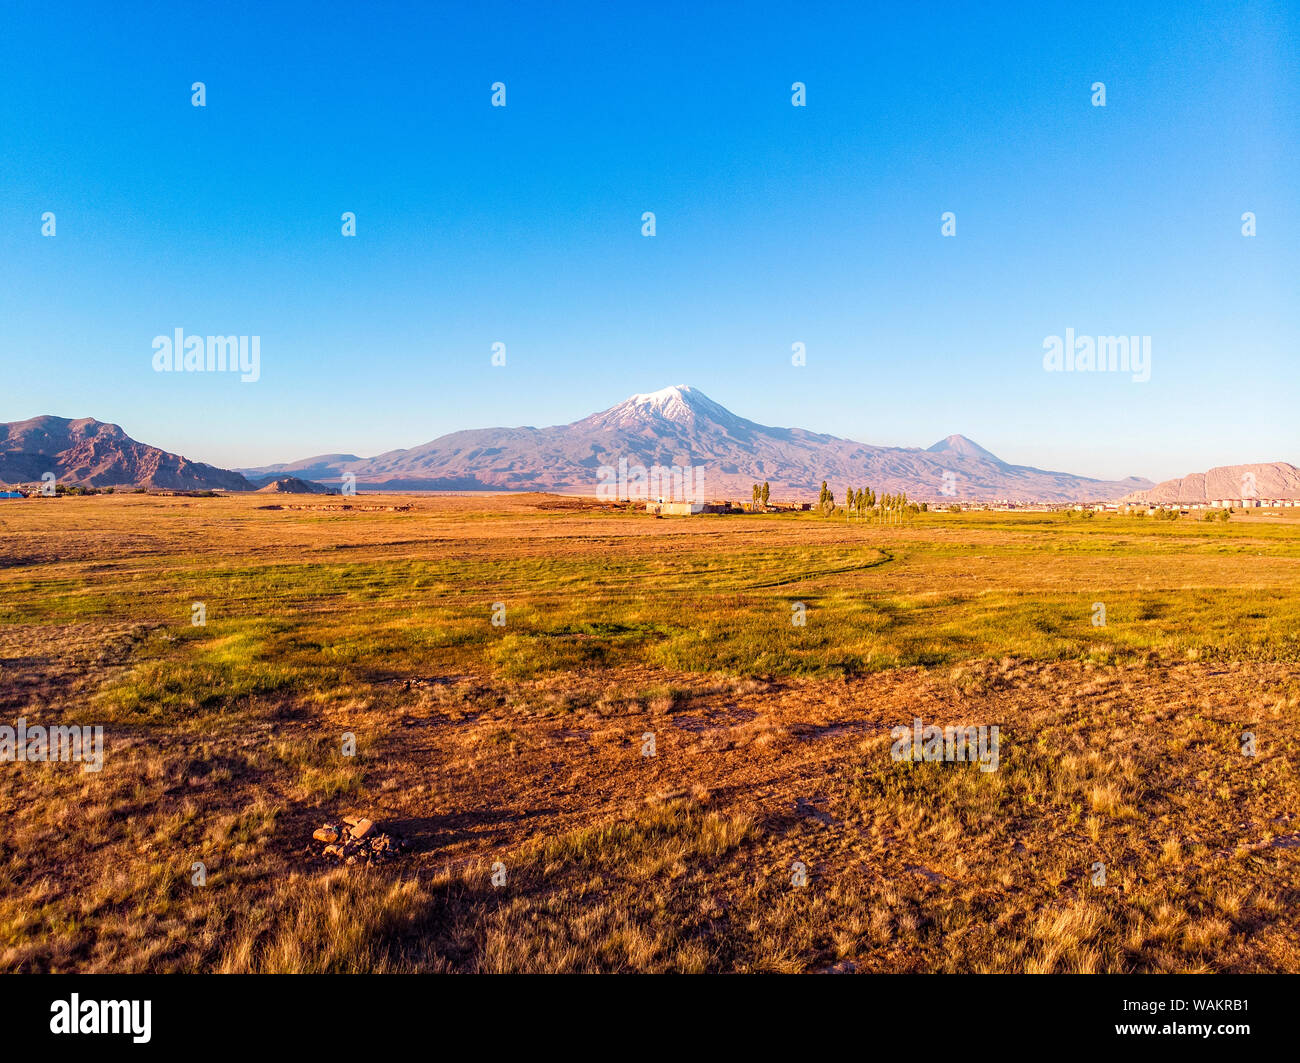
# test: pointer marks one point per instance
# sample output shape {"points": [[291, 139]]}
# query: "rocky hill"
{"points": [[1265, 480], [89, 453]]}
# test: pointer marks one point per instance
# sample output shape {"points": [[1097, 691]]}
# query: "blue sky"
{"points": [[775, 224]]}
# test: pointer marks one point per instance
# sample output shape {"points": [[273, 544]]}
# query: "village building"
{"points": [[684, 509]]}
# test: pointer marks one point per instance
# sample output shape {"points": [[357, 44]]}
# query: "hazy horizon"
{"points": [[775, 224], [922, 446]]}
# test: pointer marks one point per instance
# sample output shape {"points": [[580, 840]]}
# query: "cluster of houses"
{"points": [[1150, 508], [1251, 503], [683, 509], [1188, 507]]}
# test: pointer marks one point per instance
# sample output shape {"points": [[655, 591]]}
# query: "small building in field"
{"points": [[685, 509]]}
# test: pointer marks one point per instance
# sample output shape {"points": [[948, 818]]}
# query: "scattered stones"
{"points": [[357, 840]]}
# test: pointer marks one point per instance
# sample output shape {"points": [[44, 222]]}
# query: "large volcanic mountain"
{"points": [[682, 426], [90, 453]]}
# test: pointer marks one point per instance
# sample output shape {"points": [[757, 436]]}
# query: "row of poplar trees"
{"points": [[863, 503]]}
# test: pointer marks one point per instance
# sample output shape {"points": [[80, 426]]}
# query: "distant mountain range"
{"points": [[682, 426], [675, 426]]}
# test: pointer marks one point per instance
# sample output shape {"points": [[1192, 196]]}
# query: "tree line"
{"points": [[864, 503], [860, 502]]}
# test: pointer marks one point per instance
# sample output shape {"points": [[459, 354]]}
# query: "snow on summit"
{"points": [[680, 425], [680, 403]]}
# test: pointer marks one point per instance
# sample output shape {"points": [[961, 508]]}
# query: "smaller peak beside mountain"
{"points": [[292, 485], [960, 446]]}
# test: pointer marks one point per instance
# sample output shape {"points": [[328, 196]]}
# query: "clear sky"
{"points": [[775, 224]]}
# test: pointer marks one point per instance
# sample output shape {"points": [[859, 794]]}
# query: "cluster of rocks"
{"points": [[357, 840]]}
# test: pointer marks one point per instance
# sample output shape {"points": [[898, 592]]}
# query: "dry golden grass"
{"points": [[520, 746]]}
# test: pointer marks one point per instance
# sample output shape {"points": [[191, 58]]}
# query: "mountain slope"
{"points": [[682, 426], [1263, 480], [89, 453], [306, 468]]}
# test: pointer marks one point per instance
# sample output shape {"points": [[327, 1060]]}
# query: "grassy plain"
{"points": [[520, 744]]}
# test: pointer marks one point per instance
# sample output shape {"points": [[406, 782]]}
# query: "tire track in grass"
{"points": [[884, 559]]}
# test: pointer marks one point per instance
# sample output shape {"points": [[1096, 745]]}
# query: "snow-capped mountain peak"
{"points": [[679, 404], [682, 426]]}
